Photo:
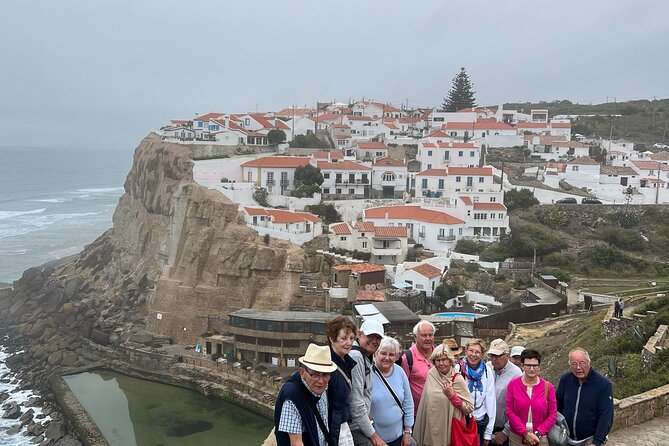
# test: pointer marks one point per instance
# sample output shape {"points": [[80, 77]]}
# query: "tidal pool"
{"points": [[134, 412]]}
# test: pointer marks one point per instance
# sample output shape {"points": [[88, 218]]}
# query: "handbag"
{"points": [[464, 433], [558, 435]]}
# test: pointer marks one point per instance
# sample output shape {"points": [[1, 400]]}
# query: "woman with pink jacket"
{"points": [[530, 404]]}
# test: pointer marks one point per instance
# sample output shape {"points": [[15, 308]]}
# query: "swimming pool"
{"points": [[455, 314]]}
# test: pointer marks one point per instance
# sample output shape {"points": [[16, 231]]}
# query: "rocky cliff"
{"points": [[177, 260]]}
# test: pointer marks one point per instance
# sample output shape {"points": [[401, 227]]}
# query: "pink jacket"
{"points": [[518, 405]]}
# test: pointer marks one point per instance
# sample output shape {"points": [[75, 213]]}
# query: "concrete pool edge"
{"points": [[87, 430]]}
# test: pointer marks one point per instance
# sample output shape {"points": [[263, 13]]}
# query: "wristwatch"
{"points": [[538, 434], [408, 431]]}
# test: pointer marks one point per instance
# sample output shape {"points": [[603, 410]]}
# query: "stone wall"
{"points": [[654, 344], [612, 326], [640, 408]]}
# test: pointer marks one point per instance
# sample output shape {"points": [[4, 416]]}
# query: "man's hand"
{"points": [[406, 439], [499, 438], [296, 440], [376, 440], [485, 442]]}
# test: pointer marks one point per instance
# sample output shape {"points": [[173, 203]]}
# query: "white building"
{"points": [[345, 180], [474, 182], [298, 227], [437, 155], [583, 172], [275, 173], [387, 245], [376, 109], [435, 229], [367, 151], [486, 221], [422, 276], [389, 178]]}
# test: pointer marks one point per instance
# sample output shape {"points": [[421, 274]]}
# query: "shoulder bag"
{"points": [[463, 430], [559, 433]]}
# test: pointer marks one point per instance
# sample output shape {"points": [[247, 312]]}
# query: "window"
{"points": [[388, 176], [461, 153], [460, 231], [247, 121], [442, 232], [423, 183], [429, 166], [364, 244], [575, 169], [500, 216], [270, 176], [470, 181], [379, 153], [326, 176], [441, 183], [429, 153], [458, 179], [446, 154], [471, 153], [200, 124], [438, 119], [481, 180], [338, 191], [351, 191], [326, 190], [342, 239], [493, 199]]}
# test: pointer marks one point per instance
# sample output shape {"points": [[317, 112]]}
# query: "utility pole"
{"points": [[501, 186], [657, 186]]}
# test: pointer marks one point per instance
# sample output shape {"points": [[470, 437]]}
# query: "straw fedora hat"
{"points": [[453, 345], [318, 359]]}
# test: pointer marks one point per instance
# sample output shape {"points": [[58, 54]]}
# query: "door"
{"points": [[388, 192]]}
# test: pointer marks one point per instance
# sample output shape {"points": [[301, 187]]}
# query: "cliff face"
{"points": [[178, 259]]}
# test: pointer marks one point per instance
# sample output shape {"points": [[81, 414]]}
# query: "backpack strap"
{"points": [[409, 356]]}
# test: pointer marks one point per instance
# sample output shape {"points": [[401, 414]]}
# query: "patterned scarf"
{"points": [[474, 381]]}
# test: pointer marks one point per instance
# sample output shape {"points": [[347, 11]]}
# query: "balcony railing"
{"points": [[285, 183], [271, 182], [421, 234], [348, 181], [446, 238]]}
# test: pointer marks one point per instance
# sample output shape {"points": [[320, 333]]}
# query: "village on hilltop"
{"points": [[405, 186]]}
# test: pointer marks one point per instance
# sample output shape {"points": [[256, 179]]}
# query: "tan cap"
{"points": [[498, 347]]}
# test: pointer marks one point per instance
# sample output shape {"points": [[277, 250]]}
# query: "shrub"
{"points": [[471, 247], [327, 212], [519, 198], [445, 292], [260, 196], [627, 239], [554, 218]]}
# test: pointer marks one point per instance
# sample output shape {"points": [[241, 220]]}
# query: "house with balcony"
{"points": [[345, 180], [275, 173], [276, 337], [386, 244], [297, 227], [434, 228], [367, 151], [474, 182], [389, 178], [437, 155], [486, 222]]}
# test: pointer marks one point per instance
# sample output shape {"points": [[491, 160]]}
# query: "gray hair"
{"points": [[417, 327], [442, 350], [585, 353], [388, 341]]}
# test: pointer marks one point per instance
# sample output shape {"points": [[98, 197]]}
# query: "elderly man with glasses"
{"points": [[585, 398], [301, 409], [503, 371]]}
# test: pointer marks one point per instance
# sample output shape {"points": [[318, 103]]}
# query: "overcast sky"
{"points": [[92, 74]]}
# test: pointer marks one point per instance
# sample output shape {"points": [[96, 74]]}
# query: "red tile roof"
{"points": [[449, 145], [532, 125], [660, 156], [289, 112], [370, 296], [483, 171], [277, 161], [208, 116], [412, 213], [432, 173], [427, 270], [584, 160], [390, 231], [340, 126], [650, 165], [466, 200], [341, 229], [325, 154], [561, 125], [365, 226], [438, 134], [341, 165], [388, 161], [489, 207], [359, 118], [360, 268]]}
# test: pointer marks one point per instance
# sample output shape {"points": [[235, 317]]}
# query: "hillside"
{"points": [[640, 121]]}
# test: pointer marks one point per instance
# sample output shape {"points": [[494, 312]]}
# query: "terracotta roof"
{"points": [[660, 156], [411, 213], [427, 270], [365, 226], [359, 118], [342, 136], [388, 161], [489, 207], [574, 144], [650, 165], [409, 120], [532, 125], [390, 231], [361, 268], [372, 145], [340, 126], [341, 229], [549, 139], [654, 180], [370, 296], [289, 112], [328, 117], [560, 167], [255, 211], [438, 134], [432, 173], [584, 160], [391, 126], [341, 165], [449, 145], [484, 171], [208, 116], [466, 200], [617, 170], [277, 161], [561, 125]]}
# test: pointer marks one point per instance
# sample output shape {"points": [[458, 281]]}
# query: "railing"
{"points": [[271, 182], [421, 234], [446, 238]]}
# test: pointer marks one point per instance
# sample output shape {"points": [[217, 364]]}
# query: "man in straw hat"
{"points": [[301, 409], [503, 371]]}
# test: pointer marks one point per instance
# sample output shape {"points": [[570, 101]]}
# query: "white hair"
{"points": [[417, 327], [579, 349], [388, 341]]}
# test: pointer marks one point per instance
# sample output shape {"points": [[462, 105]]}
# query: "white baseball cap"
{"points": [[372, 326], [517, 350]]}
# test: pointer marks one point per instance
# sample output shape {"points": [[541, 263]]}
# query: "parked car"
{"points": [[568, 200], [660, 146], [587, 200]]}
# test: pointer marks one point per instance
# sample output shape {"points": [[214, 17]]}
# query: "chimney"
{"points": [[386, 218], [196, 115], [227, 121]]}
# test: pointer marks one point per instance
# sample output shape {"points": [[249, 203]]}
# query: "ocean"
{"points": [[52, 203]]}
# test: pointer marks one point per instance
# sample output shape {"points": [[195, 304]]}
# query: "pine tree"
{"points": [[461, 94]]}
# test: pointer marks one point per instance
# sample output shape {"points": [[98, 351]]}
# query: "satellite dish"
{"points": [[368, 287], [380, 286], [372, 287], [324, 285]]}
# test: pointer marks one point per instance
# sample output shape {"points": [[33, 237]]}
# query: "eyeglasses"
{"points": [[475, 352], [531, 366], [578, 364], [386, 354], [491, 356], [440, 360], [317, 375]]}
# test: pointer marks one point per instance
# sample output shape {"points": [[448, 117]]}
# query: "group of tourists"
{"points": [[363, 390]]}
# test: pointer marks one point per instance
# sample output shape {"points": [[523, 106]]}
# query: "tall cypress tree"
{"points": [[461, 94]]}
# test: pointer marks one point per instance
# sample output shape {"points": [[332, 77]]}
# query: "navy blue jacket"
{"points": [[338, 391], [295, 391], [587, 407]]}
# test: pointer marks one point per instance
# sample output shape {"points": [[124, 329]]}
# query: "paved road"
{"points": [[654, 432]]}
